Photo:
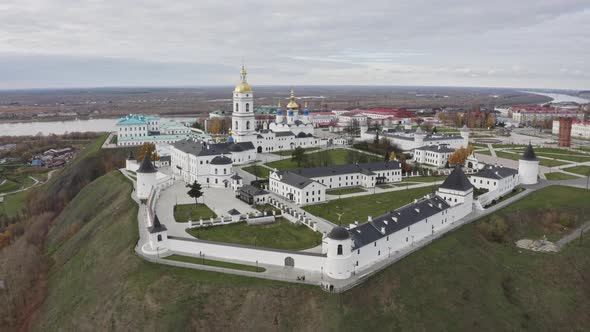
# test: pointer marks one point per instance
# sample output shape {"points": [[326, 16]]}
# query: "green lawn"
{"points": [[559, 176], [424, 179], [281, 234], [210, 262], [13, 204], [256, 170], [329, 157], [542, 162], [485, 152], [358, 208], [503, 146], [184, 212], [345, 191], [574, 158], [290, 152], [267, 208], [582, 170]]}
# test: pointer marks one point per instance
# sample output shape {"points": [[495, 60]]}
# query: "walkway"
{"points": [[576, 234]]}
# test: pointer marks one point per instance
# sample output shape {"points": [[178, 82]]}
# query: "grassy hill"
{"points": [[461, 282]]}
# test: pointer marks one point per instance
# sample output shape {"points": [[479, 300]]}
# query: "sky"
{"points": [[96, 43]]}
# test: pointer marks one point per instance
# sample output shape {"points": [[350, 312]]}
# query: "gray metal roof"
{"points": [[284, 133], [396, 220], [440, 148], [221, 160], [146, 165], [251, 190], [457, 181], [294, 180], [203, 149], [496, 172], [233, 212], [365, 168]]}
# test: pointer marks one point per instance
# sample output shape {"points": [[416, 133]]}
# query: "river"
{"points": [[560, 98], [61, 127]]}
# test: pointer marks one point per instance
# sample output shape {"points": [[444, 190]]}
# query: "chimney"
{"points": [[382, 230], [386, 222], [440, 206], [417, 210], [394, 219], [369, 219]]}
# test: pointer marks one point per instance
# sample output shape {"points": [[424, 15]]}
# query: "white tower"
{"points": [[158, 237], [465, 134], [305, 118], [419, 136], [130, 163], [457, 191], [146, 177], [243, 121], [280, 117], [528, 166], [338, 249]]}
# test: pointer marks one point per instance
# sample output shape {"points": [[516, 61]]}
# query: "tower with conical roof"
{"points": [[130, 162], [146, 177], [158, 237], [243, 120], [528, 166], [457, 190], [337, 245]]}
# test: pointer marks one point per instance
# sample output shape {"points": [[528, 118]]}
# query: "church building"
{"points": [[285, 133]]}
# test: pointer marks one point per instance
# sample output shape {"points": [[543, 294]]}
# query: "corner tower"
{"points": [[528, 166], [243, 122]]}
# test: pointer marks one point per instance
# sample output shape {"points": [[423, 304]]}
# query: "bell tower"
{"points": [[243, 121]]}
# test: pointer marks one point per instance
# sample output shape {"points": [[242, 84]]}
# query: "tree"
{"points": [[460, 155], [298, 156], [150, 149], [195, 191]]}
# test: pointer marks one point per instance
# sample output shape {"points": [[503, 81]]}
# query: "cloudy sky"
{"points": [[86, 43]]}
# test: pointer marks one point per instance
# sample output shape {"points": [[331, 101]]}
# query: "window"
{"points": [[247, 107], [339, 249], [236, 125], [237, 107], [247, 124], [159, 237], [375, 243]]}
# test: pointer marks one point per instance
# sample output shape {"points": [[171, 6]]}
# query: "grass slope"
{"points": [[461, 282]]}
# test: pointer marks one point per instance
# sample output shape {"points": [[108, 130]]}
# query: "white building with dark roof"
{"points": [[408, 139], [209, 164], [360, 246], [433, 155], [290, 184]]}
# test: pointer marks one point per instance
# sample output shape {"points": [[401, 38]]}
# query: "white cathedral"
{"points": [[285, 133]]}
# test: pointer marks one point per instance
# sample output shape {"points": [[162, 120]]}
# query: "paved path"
{"points": [[398, 186], [220, 200], [576, 234]]}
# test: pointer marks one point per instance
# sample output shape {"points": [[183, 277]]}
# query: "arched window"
{"points": [[224, 171], [247, 125], [247, 107], [236, 126], [159, 237], [216, 171], [237, 107], [339, 249]]}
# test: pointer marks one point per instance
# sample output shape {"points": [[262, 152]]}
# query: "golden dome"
{"points": [[292, 104], [243, 87]]}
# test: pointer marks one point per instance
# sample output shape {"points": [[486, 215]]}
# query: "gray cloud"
{"points": [[527, 43]]}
